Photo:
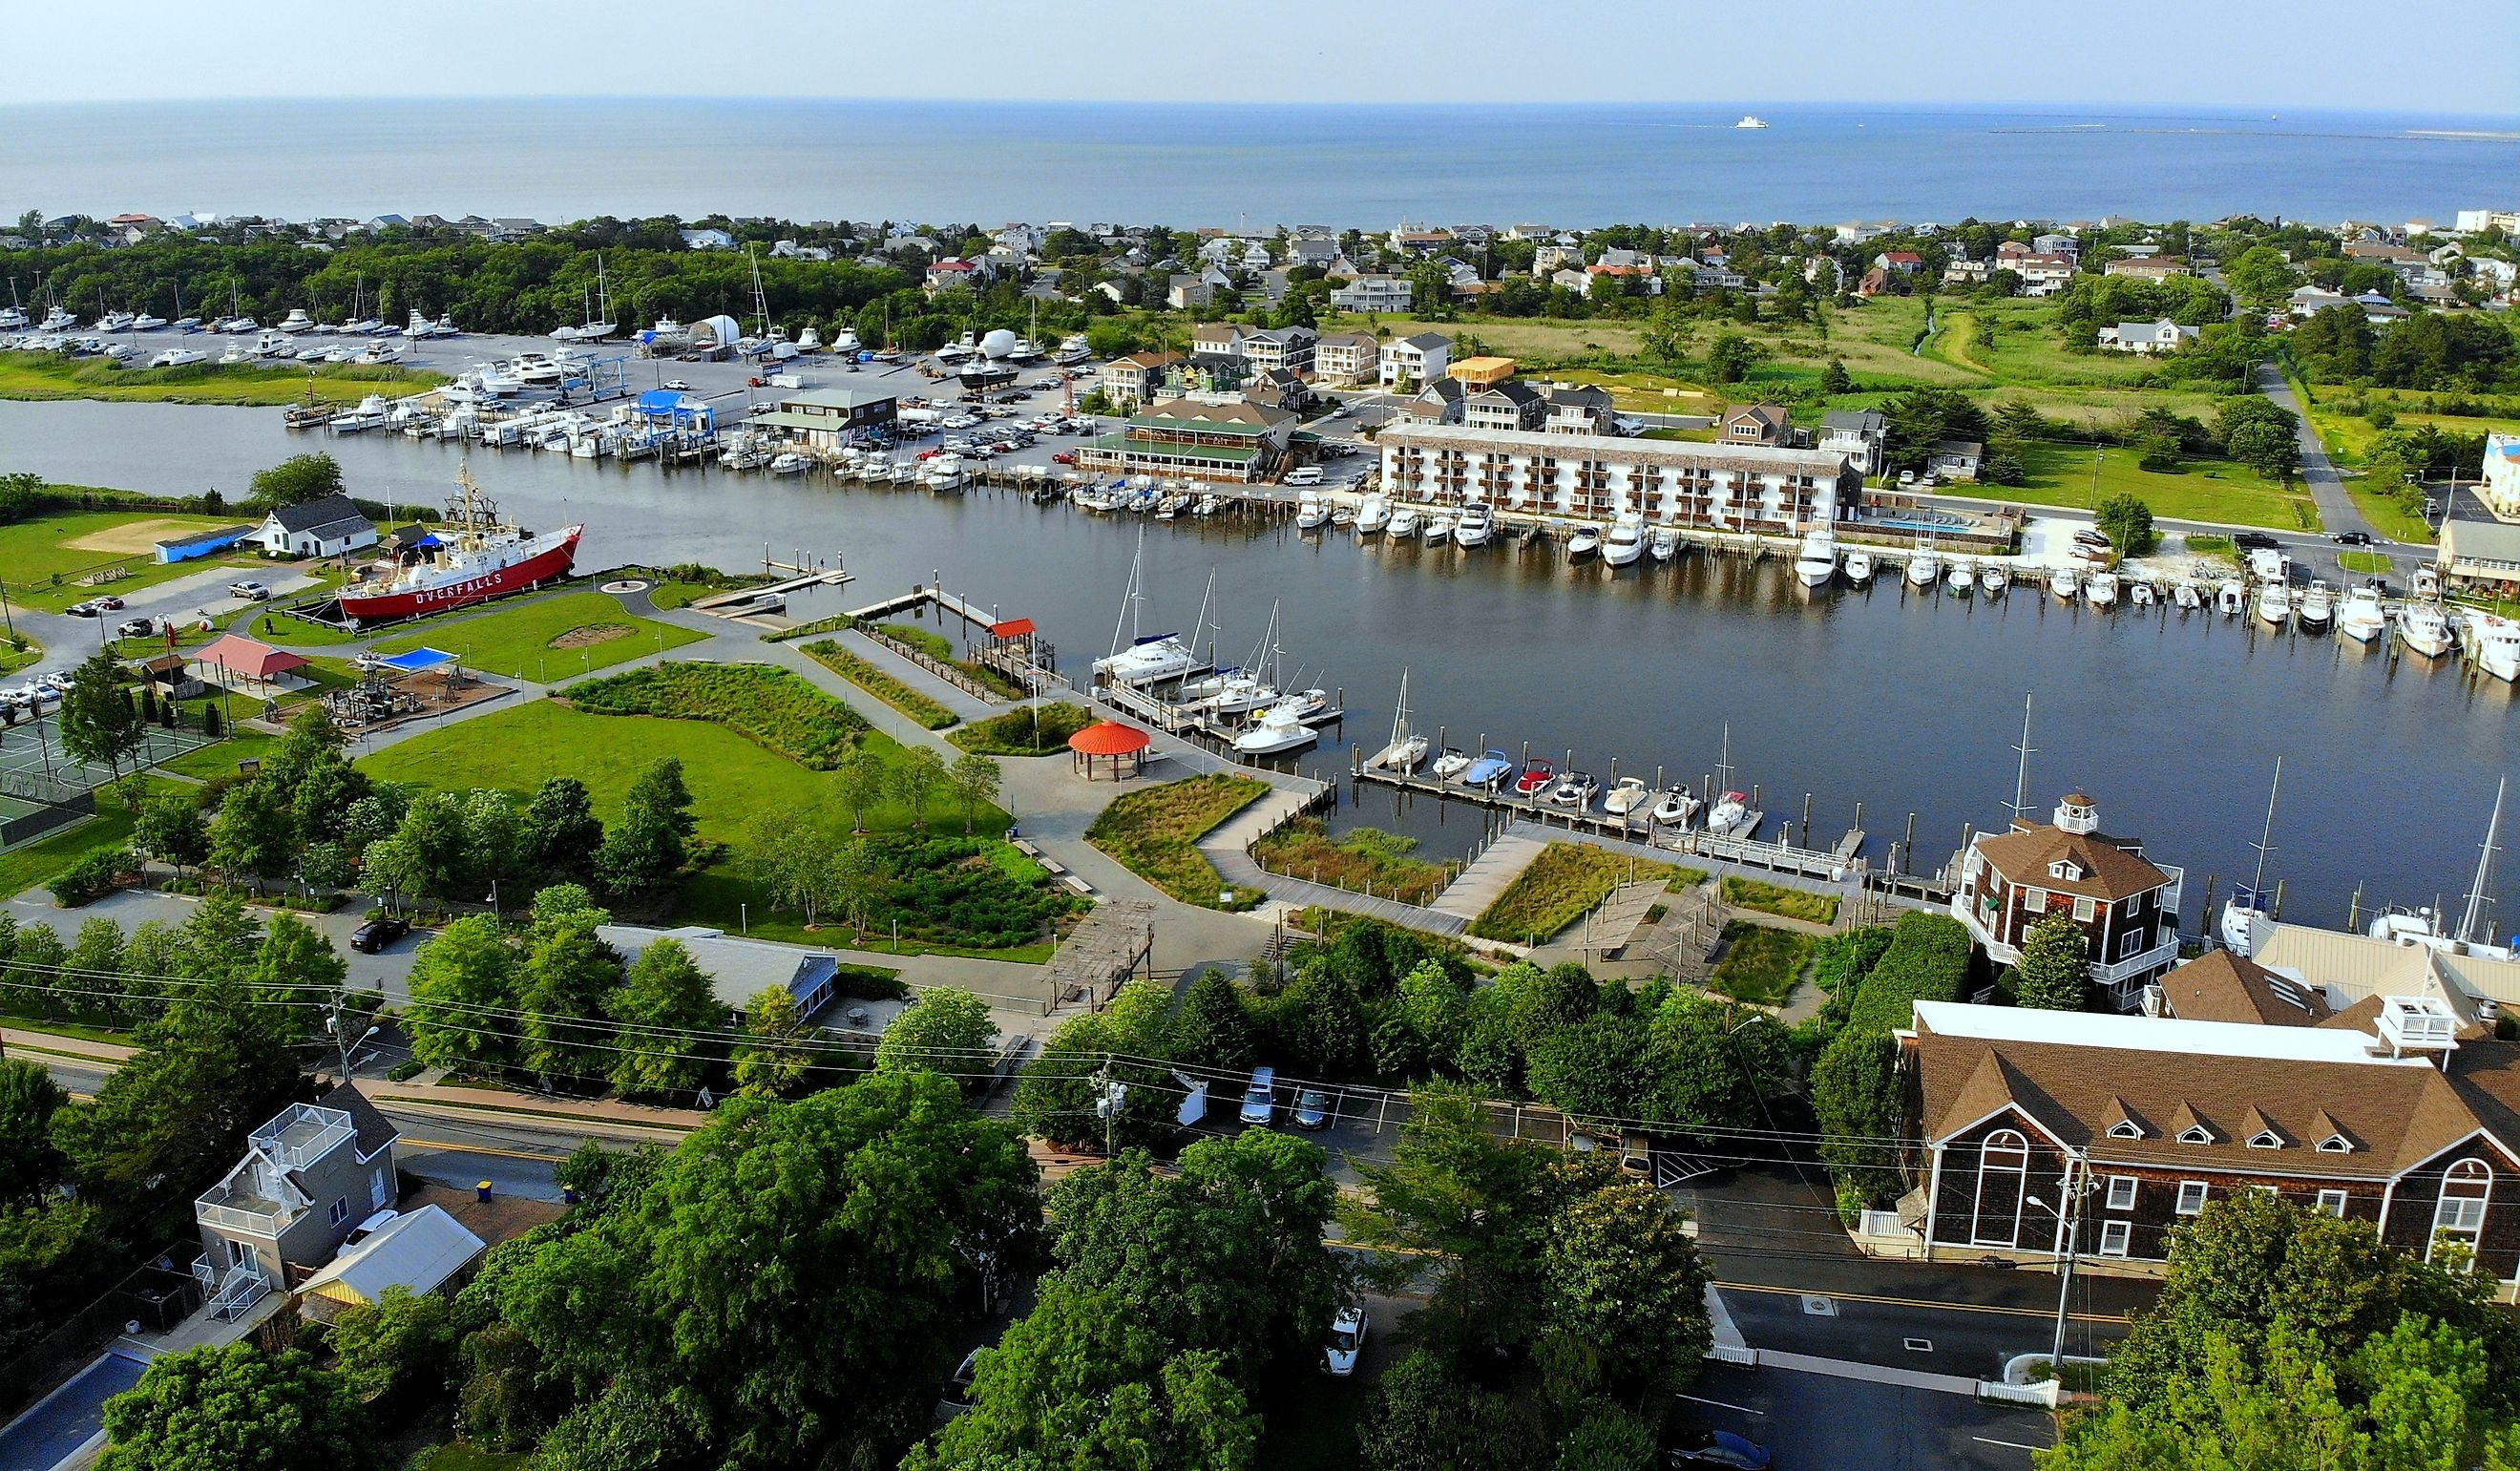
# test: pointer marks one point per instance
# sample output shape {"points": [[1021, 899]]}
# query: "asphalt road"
{"points": [[1811, 1422]]}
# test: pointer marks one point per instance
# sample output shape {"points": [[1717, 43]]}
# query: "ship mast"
{"points": [[2470, 921]]}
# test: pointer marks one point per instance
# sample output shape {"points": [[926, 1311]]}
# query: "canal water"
{"points": [[1897, 701]]}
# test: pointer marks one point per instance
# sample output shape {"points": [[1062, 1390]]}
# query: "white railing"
{"points": [[272, 1137], [239, 1289], [231, 1217], [2117, 972]]}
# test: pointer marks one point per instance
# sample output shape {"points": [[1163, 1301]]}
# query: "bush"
{"points": [[1012, 733], [1560, 885], [1775, 898], [880, 684], [1927, 961], [953, 891], [406, 1070], [773, 707], [95, 875], [1154, 833]]}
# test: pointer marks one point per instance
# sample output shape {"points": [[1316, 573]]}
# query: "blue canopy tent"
{"points": [[418, 661]]}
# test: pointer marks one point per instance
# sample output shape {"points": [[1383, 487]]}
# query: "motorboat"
{"points": [[1488, 772], [274, 344], [296, 321], [1586, 540], [1626, 795], [238, 353], [1574, 791], [113, 322], [1403, 522], [2495, 642], [2424, 628], [1815, 563], [2317, 607], [1626, 539], [2230, 598], [1731, 811], [1664, 543], [57, 320], [144, 321], [1342, 516], [1859, 566], [1452, 763], [2141, 592], [2102, 589], [2360, 616], [1962, 579], [178, 357], [369, 415], [1924, 569], [537, 369], [2275, 603], [1312, 513], [2064, 582], [1476, 525], [1993, 578], [1675, 808], [790, 464], [1276, 730], [1302, 705], [2188, 594], [1536, 780], [2427, 582], [1438, 527], [1373, 515]]}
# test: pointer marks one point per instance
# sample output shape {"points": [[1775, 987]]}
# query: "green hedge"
{"points": [[1012, 733], [880, 684], [94, 875], [1928, 961], [774, 707]]}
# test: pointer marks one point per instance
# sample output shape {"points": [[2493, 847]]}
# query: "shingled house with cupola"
{"points": [[2395, 1110], [2127, 904]]}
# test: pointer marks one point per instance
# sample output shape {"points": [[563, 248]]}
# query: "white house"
{"points": [[317, 528], [2164, 335], [707, 240], [1420, 359], [1374, 294], [2501, 488]]}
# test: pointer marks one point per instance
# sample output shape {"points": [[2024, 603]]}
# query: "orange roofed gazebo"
{"points": [[1110, 740]]}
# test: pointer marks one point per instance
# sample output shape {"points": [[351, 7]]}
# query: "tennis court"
{"points": [[33, 764]]}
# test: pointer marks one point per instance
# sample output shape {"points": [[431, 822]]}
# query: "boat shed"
{"points": [[202, 543], [828, 418], [670, 410]]}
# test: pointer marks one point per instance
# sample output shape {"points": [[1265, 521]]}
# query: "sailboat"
{"points": [[2474, 935], [601, 324], [2246, 904], [1407, 748], [1148, 659]]}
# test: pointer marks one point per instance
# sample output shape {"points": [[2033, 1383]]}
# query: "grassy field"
{"points": [[46, 374], [2208, 490], [461, 1455], [1760, 965], [1014, 733], [2368, 564], [1775, 898], [883, 686], [2387, 517], [525, 641], [13, 658], [1366, 859], [41, 560], [1154, 833], [22, 869], [1558, 887]]}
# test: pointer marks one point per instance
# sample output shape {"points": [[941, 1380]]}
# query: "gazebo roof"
{"points": [[238, 655], [1108, 737]]}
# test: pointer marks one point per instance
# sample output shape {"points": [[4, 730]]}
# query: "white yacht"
{"points": [[1961, 580], [369, 415], [2188, 594], [1404, 524], [1373, 515], [1626, 795], [790, 464], [1477, 524], [1664, 543], [296, 321], [2360, 616], [1815, 563], [1439, 526], [2102, 589], [1732, 811], [2495, 642], [1859, 566], [2424, 628], [2318, 606], [177, 357], [1310, 512], [1924, 569], [2230, 598], [1751, 120], [2141, 592], [1674, 808], [1993, 578], [1452, 763], [2275, 603], [113, 322], [2064, 582], [537, 369], [1586, 540], [1276, 730], [1626, 541], [144, 321]]}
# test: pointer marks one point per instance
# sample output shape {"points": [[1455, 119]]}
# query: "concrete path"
{"points": [[1489, 875], [1872, 1373], [2336, 508]]}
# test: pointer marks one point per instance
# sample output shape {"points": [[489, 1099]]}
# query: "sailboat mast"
{"points": [[2021, 775], [1724, 761], [2474, 914], [2266, 836]]}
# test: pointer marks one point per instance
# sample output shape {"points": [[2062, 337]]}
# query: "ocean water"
{"points": [[1189, 165]]}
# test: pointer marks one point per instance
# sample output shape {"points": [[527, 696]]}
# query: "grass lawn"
{"points": [[42, 559], [1560, 885], [1775, 898], [462, 1456], [2387, 517], [13, 658], [34, 1019], [1154, 833], [1365, 859], [857, 671], [2205, 543], [2368, 564], [46, 374], [1760, 965], [220, 757], [1012, 734], [549, 638], [22, 869], [2208, 490]]}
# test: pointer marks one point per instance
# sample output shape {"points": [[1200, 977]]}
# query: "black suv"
{"points": [[2254, 541], [372, 938]]}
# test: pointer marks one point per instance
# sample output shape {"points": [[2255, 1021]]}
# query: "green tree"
{"points": [[29, 1164], [35, 957], [253, 836], [2126, 521], [915, 779], [1665, 337], [664, 1013], [1213, 1028], [170, 828], [1591, 1069], [562, 834], [293, 481], [1834, 380], [774, 1058], [310, 735], [647, 849], [793, 858], [861, 779], [1435, 1006], [237, 1408], [96, 721], [568, 973], [2056, 970], [96, 965], [2272, 450], [854, 880], [462, 988], [1626, 1295], [1860, 1101], [399, 1341], [944, 1031], [974, 780], [1731, 357], [2261, 277], [297, 963], [426, 856]]}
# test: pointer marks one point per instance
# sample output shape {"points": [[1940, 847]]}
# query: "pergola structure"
{"points": [[1112, 741], [1110, 944]]}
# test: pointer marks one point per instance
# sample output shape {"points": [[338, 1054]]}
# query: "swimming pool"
{"points": [[1926, 521]]}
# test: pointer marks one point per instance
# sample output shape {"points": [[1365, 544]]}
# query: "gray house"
{"points": [[1856, 433], [317, 528], [308, 1175]]}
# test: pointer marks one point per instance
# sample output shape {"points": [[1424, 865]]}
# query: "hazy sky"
{"points": [[2203, 53]]}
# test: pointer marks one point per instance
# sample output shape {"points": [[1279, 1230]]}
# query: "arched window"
{"points": [[2466, 1187], [2003, 1181]]}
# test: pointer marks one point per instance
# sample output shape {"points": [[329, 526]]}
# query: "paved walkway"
{"points": [[2336, 508], [1489, 875]]}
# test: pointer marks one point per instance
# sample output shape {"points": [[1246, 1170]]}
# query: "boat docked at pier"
{"points": [[1476, 525], [471, 556], [1815, 563], [2360, 616], [2424, 628]]}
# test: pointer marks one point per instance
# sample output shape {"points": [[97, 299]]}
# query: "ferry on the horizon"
{"points": [[1751, 120], [473, 556]]}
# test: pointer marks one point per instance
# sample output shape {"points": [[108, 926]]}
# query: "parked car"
{"points": [[1717, 1448], [679, 386], [135, 628], [372, 938], [1347, 1343], [1312, 1109], [1260, 1099], [958, 1387], [248, 590], [82, 610], [2351, 538], [366, 1229], [1063, 457], [2254, 541]]}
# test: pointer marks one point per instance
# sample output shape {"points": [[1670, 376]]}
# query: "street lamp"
{"points": [[2072, 1220]]}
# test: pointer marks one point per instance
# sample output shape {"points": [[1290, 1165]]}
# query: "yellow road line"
{"points": [[417, 1143]]}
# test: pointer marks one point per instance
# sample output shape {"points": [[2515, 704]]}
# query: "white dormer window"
{"points": [[2126, 1129], [2065, 868], [2265, 1138], [2336, 1143], [2196, 1133]]}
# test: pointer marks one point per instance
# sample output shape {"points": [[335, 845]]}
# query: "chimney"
{"points": [[2077, 814]]}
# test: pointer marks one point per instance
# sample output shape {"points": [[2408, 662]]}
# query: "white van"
{"points": [[1309, 475], [1260, 1099]]}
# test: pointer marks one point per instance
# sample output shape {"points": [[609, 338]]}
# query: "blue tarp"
{"points": [[418, 660]]}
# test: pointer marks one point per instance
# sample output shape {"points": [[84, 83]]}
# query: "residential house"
{"points": [[955, 271], [1373, 293], [1716, 278], [1219, 339], [1278, 388], [1676, 483], [2148, 338], [2499, 489], [309, 1174], [1873, 283], [1132, 380], [1962, 271], [2477, 221], [2042, 274], [1418, 359], [707, 239], [1508, 404], [2308, 301], [2147, 268], [1548, 260], [1581, 409], [1410, 241], [2392, 1113], [1289, 347], [1573, 278], [1439, 402], [1755, 423], [1857, 433], [2126, 904], [1188, 294], [1596, 274], [1900, 262], [1268, 288], [321, 527], [2054, 244], [1954, 459], [2221, 985], [1241, 441], [1315, 250], [2480, 556], [1347, 357]]}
